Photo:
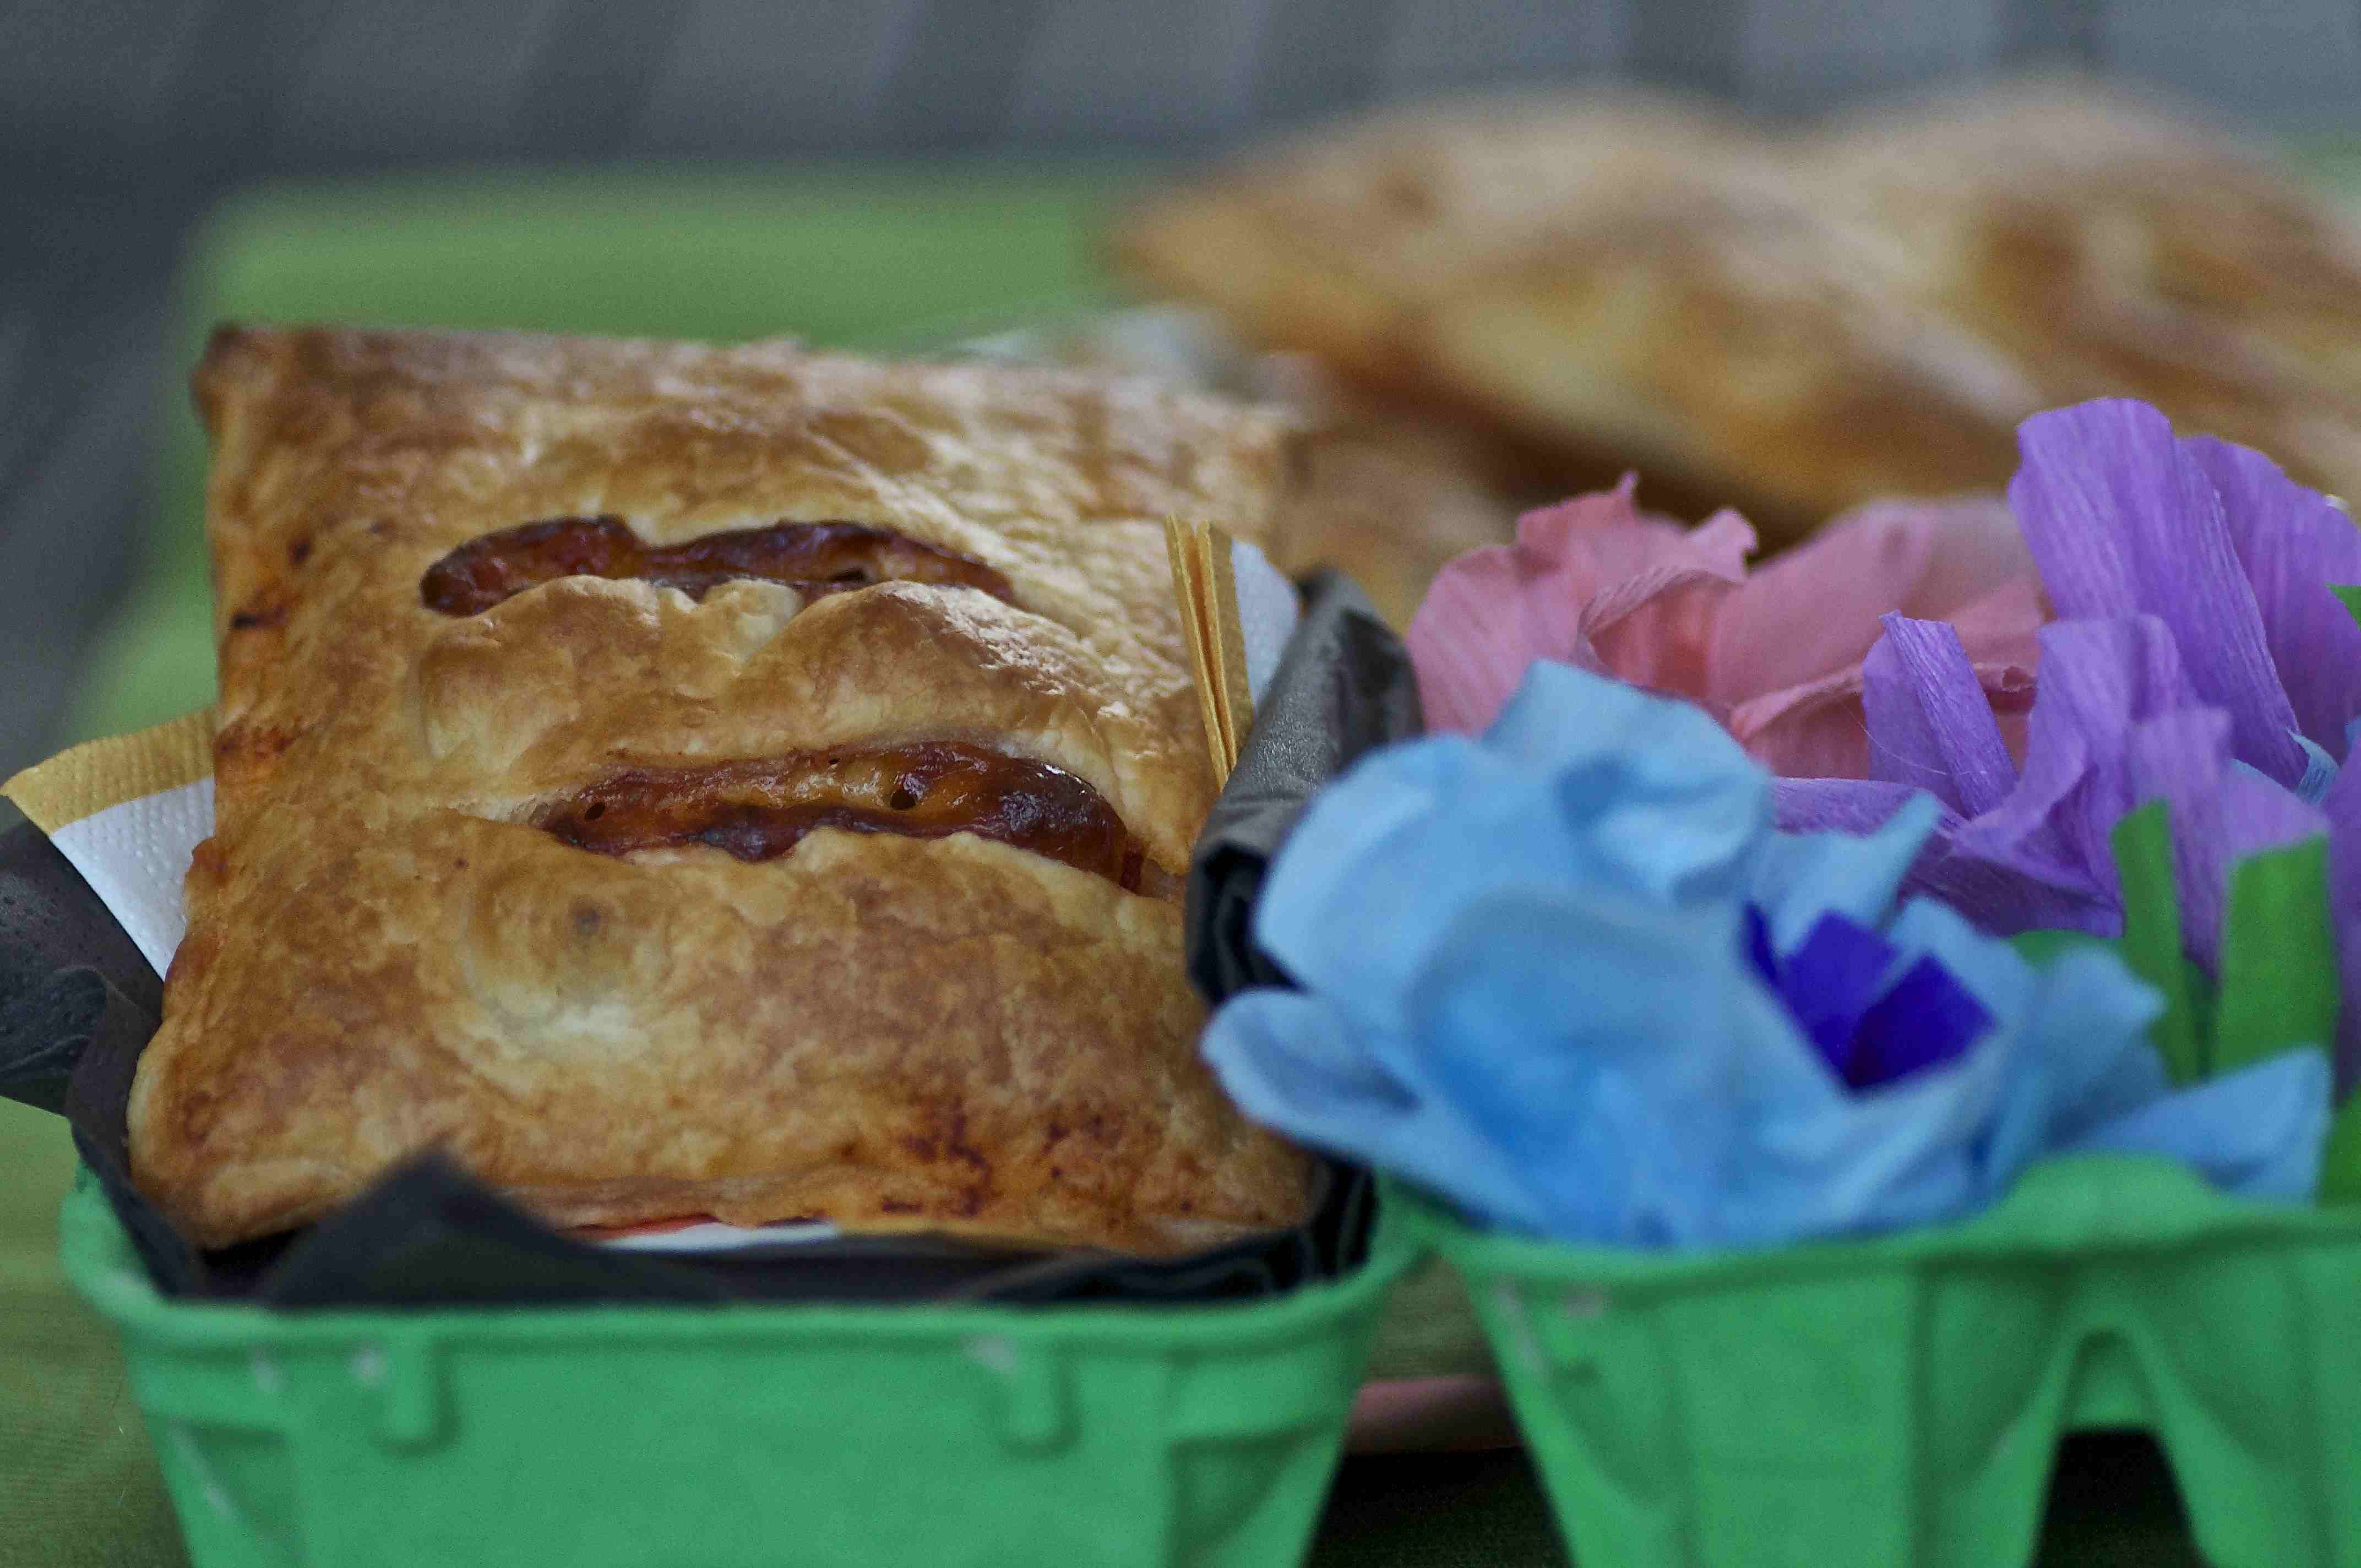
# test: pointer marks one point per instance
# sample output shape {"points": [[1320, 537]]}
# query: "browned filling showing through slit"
{"points": [[811, 557], [760, 807]]}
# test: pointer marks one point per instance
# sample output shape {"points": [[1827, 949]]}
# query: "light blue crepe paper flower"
{"points": [[1527, 986]]}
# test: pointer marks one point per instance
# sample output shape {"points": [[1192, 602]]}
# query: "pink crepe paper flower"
{"points": [[1775, 656]]}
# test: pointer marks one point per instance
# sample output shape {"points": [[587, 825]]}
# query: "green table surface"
{"points": [[876, 257]]}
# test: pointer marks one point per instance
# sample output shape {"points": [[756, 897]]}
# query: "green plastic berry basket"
{"points": [[1898, 1401], [702, 1437]]}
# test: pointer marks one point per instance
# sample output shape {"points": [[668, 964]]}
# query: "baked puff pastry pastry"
{"points": [[1792, 324], [679, 780], [1386, 494], [1609, 282], [2115, 249]]}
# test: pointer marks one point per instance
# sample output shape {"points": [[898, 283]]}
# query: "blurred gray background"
{"points": [[121, 121]]}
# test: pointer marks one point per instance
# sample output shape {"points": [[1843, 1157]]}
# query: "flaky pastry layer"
{"points": [[2115, 249], [1790, 323], [1619, 281], [385, 955]]}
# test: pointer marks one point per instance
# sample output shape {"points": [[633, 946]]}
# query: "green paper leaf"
{"points": [[2350, 595], [2276, 985], [2151, 939], [2339, 1163]]}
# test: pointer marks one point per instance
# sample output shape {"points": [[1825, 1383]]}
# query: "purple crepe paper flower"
{"points": [[2234, 556], [2199, 658], [2343, 807], [2117, 723]]}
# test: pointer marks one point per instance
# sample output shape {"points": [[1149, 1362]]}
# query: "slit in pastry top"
{"points": [[758, 808], [812, 557]]}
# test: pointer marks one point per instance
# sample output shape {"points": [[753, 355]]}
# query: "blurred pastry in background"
{"points": [[1383, 493], [1790, 323], [1607, 283], [1389, 499], [2112, 249]]}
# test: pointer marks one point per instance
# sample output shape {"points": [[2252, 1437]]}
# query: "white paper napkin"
{"points": [[135, 855]]}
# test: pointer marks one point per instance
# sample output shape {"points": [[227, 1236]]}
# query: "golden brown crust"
{"points": [[1384, 492], [1389, 497], [1613, 281], [382, 956], [1792, 325], [2116, 249]]}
